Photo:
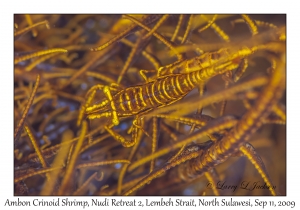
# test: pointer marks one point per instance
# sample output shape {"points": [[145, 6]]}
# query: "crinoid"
{"points": [[150, 105]]}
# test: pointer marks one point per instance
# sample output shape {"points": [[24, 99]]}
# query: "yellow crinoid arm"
{"points": [[39, 53]]}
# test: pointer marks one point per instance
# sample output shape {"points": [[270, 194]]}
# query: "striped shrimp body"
{"points": [[167, 89], [136, 100]]}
